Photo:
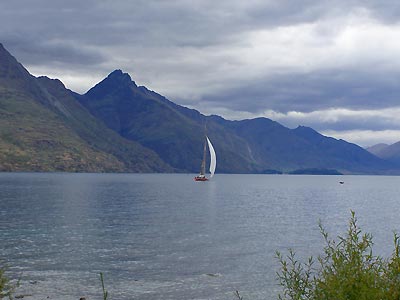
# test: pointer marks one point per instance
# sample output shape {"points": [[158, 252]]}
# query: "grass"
{"points": [[105, 292]]}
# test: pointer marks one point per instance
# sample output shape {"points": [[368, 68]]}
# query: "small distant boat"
{"points": [[341, 182], [213, 161]]}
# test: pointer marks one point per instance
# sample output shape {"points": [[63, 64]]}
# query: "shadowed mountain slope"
{"points": [[44, 128]]}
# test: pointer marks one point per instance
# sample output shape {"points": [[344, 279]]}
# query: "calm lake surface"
{"points": [[167, 237]]}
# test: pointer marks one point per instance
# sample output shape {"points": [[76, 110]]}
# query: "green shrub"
{"points": [[347, 270], [6, 288]]}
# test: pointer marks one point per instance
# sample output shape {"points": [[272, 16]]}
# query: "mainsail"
{"points": [[213, 161]]}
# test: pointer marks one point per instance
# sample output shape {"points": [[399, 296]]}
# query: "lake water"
{"points": [[167, 237]]}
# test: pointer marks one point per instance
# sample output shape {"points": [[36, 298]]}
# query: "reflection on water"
{"points": [[165, 236]]}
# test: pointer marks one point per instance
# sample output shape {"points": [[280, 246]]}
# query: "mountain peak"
{"points": [[7, 61], [118, 75], [11, 71], [306, 130], [5, 55], [4, 51], [116, 80]]}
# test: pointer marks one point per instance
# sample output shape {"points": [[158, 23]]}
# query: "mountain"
{"points": [[376, 149], [304, 148], [175, 133], [342, 155], [390, 153], [44, 128]]}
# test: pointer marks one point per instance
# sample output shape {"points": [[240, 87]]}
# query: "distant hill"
{"points": [[304, 148], [376, 149], [44, 128], [118, 126], [389, 153], [315, 172]]}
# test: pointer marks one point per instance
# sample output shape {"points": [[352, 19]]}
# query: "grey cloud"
{"points": [[387, 11], [160, 23], [311, 91], [42, 52], [342, 124], [166, 23]]}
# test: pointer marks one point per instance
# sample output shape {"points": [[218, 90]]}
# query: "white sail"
{"points": [[213, 162]]}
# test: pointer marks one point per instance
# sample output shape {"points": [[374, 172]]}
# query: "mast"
{"points": [[203, 163]]}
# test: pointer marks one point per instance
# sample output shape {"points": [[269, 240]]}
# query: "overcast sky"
{"points": [[332, 65]]}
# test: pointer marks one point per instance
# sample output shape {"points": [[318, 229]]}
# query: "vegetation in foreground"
{"points": [[347, 270], [6, 287]]}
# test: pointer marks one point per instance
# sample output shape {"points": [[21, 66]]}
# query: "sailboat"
{"points": [[213, 161]]}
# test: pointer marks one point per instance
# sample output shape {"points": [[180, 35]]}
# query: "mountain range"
{"points": [[118, 126]]}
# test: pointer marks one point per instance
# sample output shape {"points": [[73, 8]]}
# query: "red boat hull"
{"points": [[200, 178]]}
